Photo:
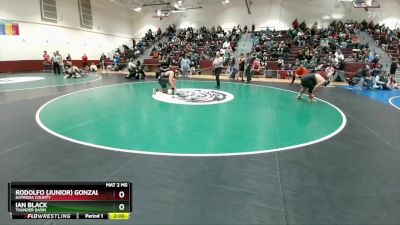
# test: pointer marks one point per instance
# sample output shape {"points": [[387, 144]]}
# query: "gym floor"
{"points": [[262, 158]]}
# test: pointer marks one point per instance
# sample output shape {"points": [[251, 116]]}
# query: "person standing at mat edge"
{"points": [[56, 63], [84, 61], [311, 82], [218, 64], [46, 62], [185, 66]]}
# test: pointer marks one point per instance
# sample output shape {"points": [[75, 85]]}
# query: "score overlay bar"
{"points": [[69, 200]]}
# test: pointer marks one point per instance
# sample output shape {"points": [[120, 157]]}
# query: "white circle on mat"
{"points": [[11, 80]]}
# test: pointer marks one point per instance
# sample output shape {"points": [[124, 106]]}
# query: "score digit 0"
{"points": [[121, 207], [121, 194]]}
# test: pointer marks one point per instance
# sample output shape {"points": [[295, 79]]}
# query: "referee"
{"points": [[218, 64]]}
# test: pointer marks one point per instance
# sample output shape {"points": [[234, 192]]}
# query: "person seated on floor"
{"points": [[289, 69], [140, 70], [338, 72], [131, 69], [93, 67], [117, 62], [330, 71], [361, 76], [382, 81], [110, 67], [73, 71], [392, 83], [375, 73]]}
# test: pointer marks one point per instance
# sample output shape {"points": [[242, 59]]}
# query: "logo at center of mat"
{"points": [[195, 96]]}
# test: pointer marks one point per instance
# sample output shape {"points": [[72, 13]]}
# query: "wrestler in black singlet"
{"points": [[163, 79], [309, 82]]}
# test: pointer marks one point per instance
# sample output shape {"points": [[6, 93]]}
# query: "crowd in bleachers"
{"points": [[195, 44], [122, 57], [281, 53], [311, 47], [325, 50], [386, 38]]}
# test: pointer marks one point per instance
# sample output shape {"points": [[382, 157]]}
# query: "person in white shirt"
{"points": [[56, 63], [218, 64], [60, 62], [339, 55], [330, 71], [73, 71], [93, 68], [226, 44], [185, 66], [132, 69]]}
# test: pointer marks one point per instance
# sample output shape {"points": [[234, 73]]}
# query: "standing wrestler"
{"points": [[166, 76], [311, 82]]}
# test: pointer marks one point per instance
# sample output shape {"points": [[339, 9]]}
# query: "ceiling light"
{"points": [[225, 1], [138, 9]]}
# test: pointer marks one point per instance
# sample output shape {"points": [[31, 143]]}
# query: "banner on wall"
{"points": [[9, 27]]}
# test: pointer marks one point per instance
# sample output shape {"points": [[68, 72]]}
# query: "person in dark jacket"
{"points": [[361, 75]]}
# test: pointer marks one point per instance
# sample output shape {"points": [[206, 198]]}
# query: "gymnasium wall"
{"points": [[112, 27], [278, 14]]}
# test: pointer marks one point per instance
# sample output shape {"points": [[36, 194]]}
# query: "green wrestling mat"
{"points": [[198, 121]]}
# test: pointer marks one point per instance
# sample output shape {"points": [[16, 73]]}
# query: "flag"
{"points": [[9, 29], [2, 28], [15, 29]]}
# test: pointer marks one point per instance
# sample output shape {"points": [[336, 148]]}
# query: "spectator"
{"points": [[233, 69], [350, 59], [361, 76], [382, 81], [156, 54], [131, 69], [117, 62], [93, 67], [249, 64], [84, 61], [68, 58], [226, 44], [339, 55], [61, 62], [185, 66], [56, 63], [73, 71], [140, 70], [256, 66], [242, 63], [393, 67], [103, 58], [281, 63], [46, 62]]}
